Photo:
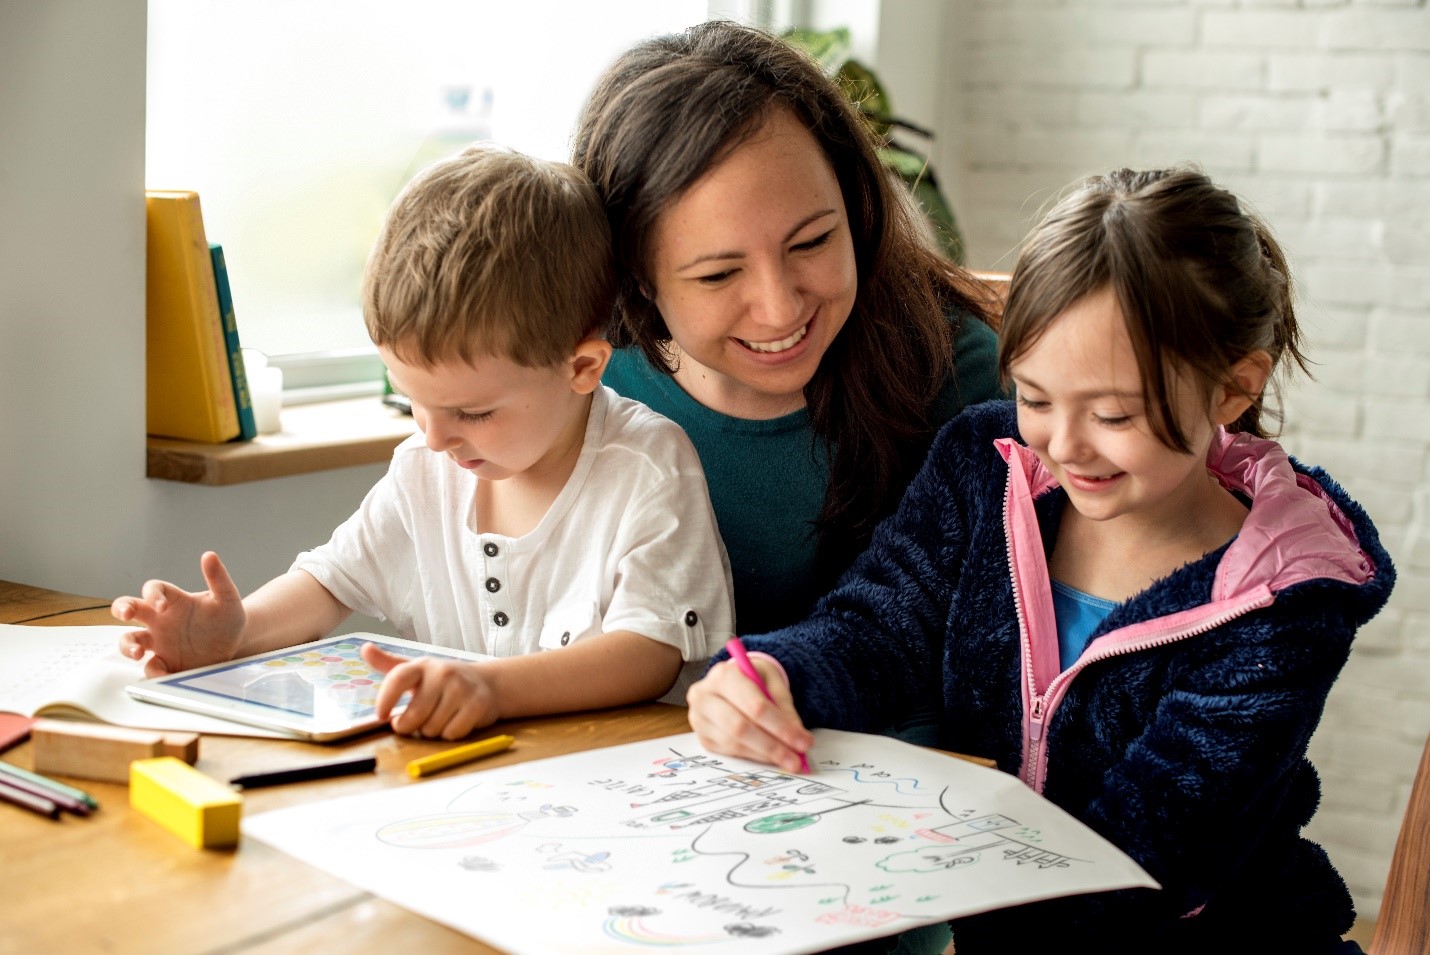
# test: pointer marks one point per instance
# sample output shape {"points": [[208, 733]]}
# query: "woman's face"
{"points": [[754, 272]]}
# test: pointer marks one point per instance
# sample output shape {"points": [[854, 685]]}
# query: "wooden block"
{"points": [[183, 746], [101, 751], [90, 750], [197, 808]]}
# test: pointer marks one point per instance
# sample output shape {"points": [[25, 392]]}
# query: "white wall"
{"points": [[912, 64], [1318, 112], [76, 512]]}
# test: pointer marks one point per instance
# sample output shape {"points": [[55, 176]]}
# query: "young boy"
{"points": [[536, 511]]}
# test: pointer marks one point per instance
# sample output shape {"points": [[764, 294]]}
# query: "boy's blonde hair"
{"points": [[490, 252]]}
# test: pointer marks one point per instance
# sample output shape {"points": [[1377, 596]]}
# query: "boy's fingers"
{"points": [[442, 721], [137, 612], [394, 684], [397, 680], [467, 719], [134, 644], [156, 595], [419, 708], [379, 659], [216, 577]]}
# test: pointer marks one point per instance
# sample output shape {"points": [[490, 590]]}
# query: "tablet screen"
{"points": [[326, 681]]}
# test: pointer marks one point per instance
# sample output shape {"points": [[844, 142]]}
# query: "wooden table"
{"points": [[115, 882]]}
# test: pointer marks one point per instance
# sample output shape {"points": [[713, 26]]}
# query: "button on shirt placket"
{"points": [[499, 623]]}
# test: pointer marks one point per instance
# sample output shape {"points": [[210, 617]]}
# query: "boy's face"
{"points": [[494, 417]]}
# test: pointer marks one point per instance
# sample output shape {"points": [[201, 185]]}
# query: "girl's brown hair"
{"points": [[671, 108], [1200, 281]]}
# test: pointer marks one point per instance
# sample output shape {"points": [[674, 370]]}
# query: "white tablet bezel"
{"points": [[163, 691]]}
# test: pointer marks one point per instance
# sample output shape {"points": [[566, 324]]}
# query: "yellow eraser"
{"points": [[197, 808]]}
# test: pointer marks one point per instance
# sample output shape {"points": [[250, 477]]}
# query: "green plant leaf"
{"points": [[830, 49], [917, 175], [865, 91]]}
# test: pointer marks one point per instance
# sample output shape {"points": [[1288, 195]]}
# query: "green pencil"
{"points": [[48, 783]]}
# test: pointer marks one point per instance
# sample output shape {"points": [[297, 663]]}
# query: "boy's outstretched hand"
{"points": [[730, 715], [184, 630], [450, 698]]}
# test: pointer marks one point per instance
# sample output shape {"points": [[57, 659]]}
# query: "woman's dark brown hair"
{"points": [[671, 108], [1200, 281]]}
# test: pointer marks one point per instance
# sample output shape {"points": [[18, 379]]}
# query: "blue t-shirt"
{"points": [[768, 478], [1078, 615]]}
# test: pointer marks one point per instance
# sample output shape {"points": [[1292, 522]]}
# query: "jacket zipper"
{"points": [[1038, 708], [1042, 706]]}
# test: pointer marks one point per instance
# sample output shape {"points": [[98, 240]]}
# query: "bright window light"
{"points": [[297, 122]]}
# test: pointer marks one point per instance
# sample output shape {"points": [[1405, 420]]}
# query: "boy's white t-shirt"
{"points": [[630, 543]]}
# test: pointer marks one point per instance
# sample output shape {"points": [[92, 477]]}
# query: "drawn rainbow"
{"points": [[625, 928]]}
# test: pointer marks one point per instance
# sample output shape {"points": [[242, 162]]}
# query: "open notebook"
{"points": [[78, 673]]}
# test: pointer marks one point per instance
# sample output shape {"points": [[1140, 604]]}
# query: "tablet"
{"points": [[318, 691]]}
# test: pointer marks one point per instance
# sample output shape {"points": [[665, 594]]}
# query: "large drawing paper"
{"points": [[658, 844]]}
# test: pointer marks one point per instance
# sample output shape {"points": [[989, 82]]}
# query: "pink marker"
{"points": [[737, 653]]}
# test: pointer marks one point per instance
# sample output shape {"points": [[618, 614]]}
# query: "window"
{"points": [[297, 121]]}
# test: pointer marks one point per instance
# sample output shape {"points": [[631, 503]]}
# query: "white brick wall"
{"points": [[1318, 113]]}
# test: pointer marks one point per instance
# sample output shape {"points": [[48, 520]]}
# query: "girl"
{"points": [[1118, 588]]}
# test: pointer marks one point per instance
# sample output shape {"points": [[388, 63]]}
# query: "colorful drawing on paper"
{"points": [[659, 844]]}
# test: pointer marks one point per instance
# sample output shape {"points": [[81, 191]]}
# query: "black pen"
{"points": [[298, 774]]}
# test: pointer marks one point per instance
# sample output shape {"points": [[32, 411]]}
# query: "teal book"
{"points": [[247, 428]]}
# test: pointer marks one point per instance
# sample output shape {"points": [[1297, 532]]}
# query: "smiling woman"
{"points": [[757, 261], [778, 300]]}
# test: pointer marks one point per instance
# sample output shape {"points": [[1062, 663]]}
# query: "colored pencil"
{"points": [[437, 762], [63, 800], [28, 800], [17, 776]]}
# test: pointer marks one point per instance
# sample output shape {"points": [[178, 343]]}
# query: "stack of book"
{"points": [[197, 389]]}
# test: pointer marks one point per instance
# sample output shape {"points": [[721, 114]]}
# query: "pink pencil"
{"points": [[742, 660]]}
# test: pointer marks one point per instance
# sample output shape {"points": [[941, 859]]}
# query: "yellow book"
{"points": [[190, 387]]}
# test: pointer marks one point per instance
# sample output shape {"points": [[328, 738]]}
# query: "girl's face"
{"points": [[1081, 409], [754, 272]]}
